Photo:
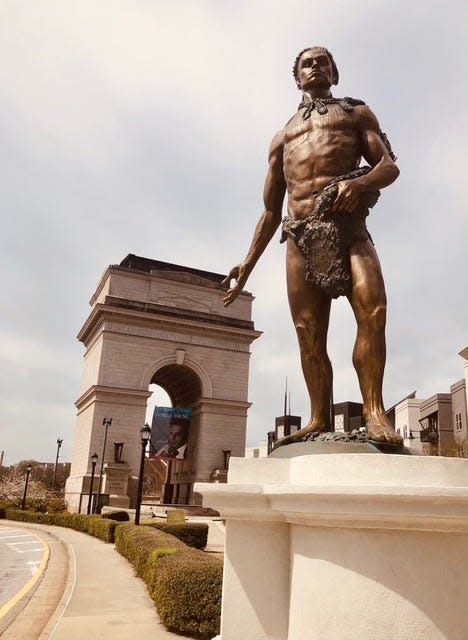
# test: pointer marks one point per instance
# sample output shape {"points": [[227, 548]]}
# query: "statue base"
{"points": [[355, 441], [321, 547]]}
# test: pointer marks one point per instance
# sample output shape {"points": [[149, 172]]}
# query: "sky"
{"points": [[143, 126]]}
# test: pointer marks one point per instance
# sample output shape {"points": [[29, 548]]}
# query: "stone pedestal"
{"points": [[344, 546], [115, 483]]}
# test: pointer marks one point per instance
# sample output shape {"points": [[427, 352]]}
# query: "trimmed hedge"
{"points": [[193, 534], [120, 516], [185, 583], [92, 525], [54, 504]]}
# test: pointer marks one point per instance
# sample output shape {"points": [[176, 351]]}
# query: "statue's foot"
{"points": [[299, 436], [381, 431]]}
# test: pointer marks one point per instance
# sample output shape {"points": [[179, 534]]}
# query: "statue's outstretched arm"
{"points": [[273, 196]]}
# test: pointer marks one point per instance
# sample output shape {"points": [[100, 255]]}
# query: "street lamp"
{"points": [[145, 437], [59, 444], [28, 471], [106, 423], [94, 458], [227, 457]]}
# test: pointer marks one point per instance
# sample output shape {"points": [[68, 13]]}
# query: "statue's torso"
{"points": [[316, 150]]}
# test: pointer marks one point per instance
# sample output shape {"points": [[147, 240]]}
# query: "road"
{"points": [[21, 554]]}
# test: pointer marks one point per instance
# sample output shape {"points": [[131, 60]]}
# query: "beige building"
{"points": [[407, 414], [459, 417], [153, 322], [437, 427]]}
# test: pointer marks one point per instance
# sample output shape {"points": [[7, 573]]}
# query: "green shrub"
{"points": [[103, 529], [193, 534], [26, 516], [41, 505], [92, 525], [8, 504], [188, 593], [46, 504], [61, 519], [184, 583], [120, 516], [137, 545]]}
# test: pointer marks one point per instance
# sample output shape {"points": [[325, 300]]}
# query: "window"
{"points": [[458, 422]]}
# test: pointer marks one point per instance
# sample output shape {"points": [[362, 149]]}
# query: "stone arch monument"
{"points": [[156, 322]]}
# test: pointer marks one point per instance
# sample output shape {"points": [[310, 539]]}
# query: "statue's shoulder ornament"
{"points": [[320, 104]]}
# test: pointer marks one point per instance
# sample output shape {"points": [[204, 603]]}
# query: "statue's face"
{"points": [[315, 69]]}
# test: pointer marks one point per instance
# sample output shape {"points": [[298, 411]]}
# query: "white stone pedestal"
{"points": [[344, 547]]}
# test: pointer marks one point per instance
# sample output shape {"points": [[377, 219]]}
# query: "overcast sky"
{"points": [[143, 126]]}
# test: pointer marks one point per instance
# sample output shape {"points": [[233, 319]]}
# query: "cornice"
{"points": [[100, 392], [167, 317]]}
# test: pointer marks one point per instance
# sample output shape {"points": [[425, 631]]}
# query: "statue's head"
{"points": [[323, 61]]}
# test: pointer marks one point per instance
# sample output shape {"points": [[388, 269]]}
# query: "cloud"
{"points": [[144, 127]]}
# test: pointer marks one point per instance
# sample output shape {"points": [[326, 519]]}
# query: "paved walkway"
{"points": [[87, 592]]}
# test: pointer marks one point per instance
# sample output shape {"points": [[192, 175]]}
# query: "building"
{"points": [[459, 417], [347, 416], [405, 419], [154, 322], [436, 435]]}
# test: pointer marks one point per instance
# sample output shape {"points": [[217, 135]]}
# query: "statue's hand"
{"points": [[240, 274], [347, 198]]}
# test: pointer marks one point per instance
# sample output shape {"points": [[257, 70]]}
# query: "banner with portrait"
{"points": [[169, 432]]}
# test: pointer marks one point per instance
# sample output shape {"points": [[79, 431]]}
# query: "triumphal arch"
{"points": [[153, 322]]}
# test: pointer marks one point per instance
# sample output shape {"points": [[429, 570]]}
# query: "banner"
{"points": [[169, 432]]}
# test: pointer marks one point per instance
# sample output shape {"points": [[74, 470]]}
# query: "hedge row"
{"points": [[193, 534], [93, 525], [49, 504], [184, 583], [120, 516]]}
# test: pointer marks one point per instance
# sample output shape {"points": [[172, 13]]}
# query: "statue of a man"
{"points": [[316, 159]]}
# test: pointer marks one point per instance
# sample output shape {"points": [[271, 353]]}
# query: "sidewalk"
{"points": [[88, 592]]}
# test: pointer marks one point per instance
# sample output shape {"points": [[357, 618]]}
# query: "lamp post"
{"points": [[145, 437], [227, 456], [94, 458], [59, 444], [28, 471], [106, 423]]}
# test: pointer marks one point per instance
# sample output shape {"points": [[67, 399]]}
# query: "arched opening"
{"points": [[158, 398], [179, 387], [181, 384]]}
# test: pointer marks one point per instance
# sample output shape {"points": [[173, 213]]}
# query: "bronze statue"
{"points": [[316, 159]]}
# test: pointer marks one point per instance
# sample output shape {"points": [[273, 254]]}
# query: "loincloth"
{"points": [[325, 238]]}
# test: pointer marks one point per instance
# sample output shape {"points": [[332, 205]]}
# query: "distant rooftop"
{"points": [[148, 264]]}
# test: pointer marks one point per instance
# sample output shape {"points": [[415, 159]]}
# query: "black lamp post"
{"points": [[106, 423], [59, 444], [28, 471], [227, 456], [94, 458], [145, 437]]}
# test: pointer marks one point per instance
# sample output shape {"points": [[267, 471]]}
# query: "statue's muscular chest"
{"points": [[320, 137]]}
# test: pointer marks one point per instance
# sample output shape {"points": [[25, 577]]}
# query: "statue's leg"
{"points": [[369, 303], [310, 311]]}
